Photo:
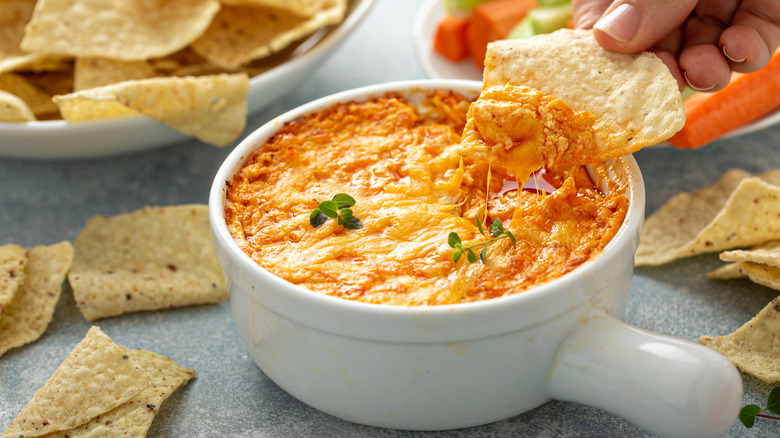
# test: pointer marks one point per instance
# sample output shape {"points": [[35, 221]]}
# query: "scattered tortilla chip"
{"points": [[764, 275], [739, 210], [755, 347], [134, 417], [96, 72], [240, 34], [40, 103], [14, 15], [210, 108], [30, 311], [634, 98], [13, 109], [727, 272], [150, 259], [96, 377], [13, 260], [767, 253], [127, 30]]}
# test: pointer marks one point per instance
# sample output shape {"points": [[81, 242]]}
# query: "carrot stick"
{"points": [[744, 100], [492, 21], [450, 38]]}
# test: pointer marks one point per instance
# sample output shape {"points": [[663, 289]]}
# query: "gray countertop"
{"points": [[44, 202]]}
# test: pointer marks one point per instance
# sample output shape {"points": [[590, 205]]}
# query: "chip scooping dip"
{"points": [[739, 210], [561, 97], [25, 318], [754, 347], [149, 259], [100, 389]]}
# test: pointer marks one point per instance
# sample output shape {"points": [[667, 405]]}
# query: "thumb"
{"points": [[630, 26]]}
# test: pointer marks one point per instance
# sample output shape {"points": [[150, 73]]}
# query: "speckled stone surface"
{"points": [[43, 202]]}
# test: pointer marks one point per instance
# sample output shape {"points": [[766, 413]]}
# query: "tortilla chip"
{"points": [[239, 34], [767, 253], [13, 260], [739, 210], [634, 98], [96, 72], [30, 311], [14, 15], [210, 108], [13, 109], [134, 417], [304, 8], [150, 259], [96, 377], [764, 275], [40, 103], [727, 272], [755, 347], [128, 30]]}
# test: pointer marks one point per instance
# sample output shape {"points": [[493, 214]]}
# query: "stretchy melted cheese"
{"points": [[401, 163]]}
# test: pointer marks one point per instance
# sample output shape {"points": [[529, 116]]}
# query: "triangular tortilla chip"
{"points": [[755, 347], [30, 311], [14, 109], [240, 34], [150, 259], [39, 102], [128, 30], [96, 377], [96, 72], [304, 8], [210, 108], [13, 260], [767, 253], [764, 275], [633, 99], [727, 272], [134, 417], [739, 210]]}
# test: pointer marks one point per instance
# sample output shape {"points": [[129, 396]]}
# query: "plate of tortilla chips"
{"points": [[90, 78]]}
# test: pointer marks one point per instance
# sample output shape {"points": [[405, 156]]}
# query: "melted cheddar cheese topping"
{"points": [[400, 161]]}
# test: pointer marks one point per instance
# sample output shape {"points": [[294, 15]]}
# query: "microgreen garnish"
{"points": [[496, 232], [749, 413], [337, 208]]}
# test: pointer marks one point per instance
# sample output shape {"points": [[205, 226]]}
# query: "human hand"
{"points": [[701, 41]]}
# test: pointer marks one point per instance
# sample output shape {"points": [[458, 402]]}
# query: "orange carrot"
{"points": [[492, 21], [744, 100], [450, 38]]}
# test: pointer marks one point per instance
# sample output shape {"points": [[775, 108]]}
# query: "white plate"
{"points": [[63, 140], [437, 66]]}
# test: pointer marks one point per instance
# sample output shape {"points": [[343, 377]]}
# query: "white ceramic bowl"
{"points": [[58, 139], [454, 366]]}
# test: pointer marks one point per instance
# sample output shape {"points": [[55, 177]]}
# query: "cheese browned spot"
{"points": [[400, 161]]}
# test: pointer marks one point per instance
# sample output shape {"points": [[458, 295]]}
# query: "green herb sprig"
{"points": [[337, 208], [496, 232], [749, 413]]}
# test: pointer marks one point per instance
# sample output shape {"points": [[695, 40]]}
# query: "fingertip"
{"points": [[744, 49], [704, 67]]}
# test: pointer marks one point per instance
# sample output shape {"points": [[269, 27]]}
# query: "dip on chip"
{"points": [[27, 315], [561, 97], [150, 259], [100, 389]]}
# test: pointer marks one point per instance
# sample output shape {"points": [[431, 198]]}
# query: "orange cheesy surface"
{"points": [[400, 162]]}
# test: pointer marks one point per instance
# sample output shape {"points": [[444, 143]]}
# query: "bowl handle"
{"points": [[668, 386]]}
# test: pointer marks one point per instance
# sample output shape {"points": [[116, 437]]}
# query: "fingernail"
{"points": [[723, 49], [685, 75], [621, 24]]}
